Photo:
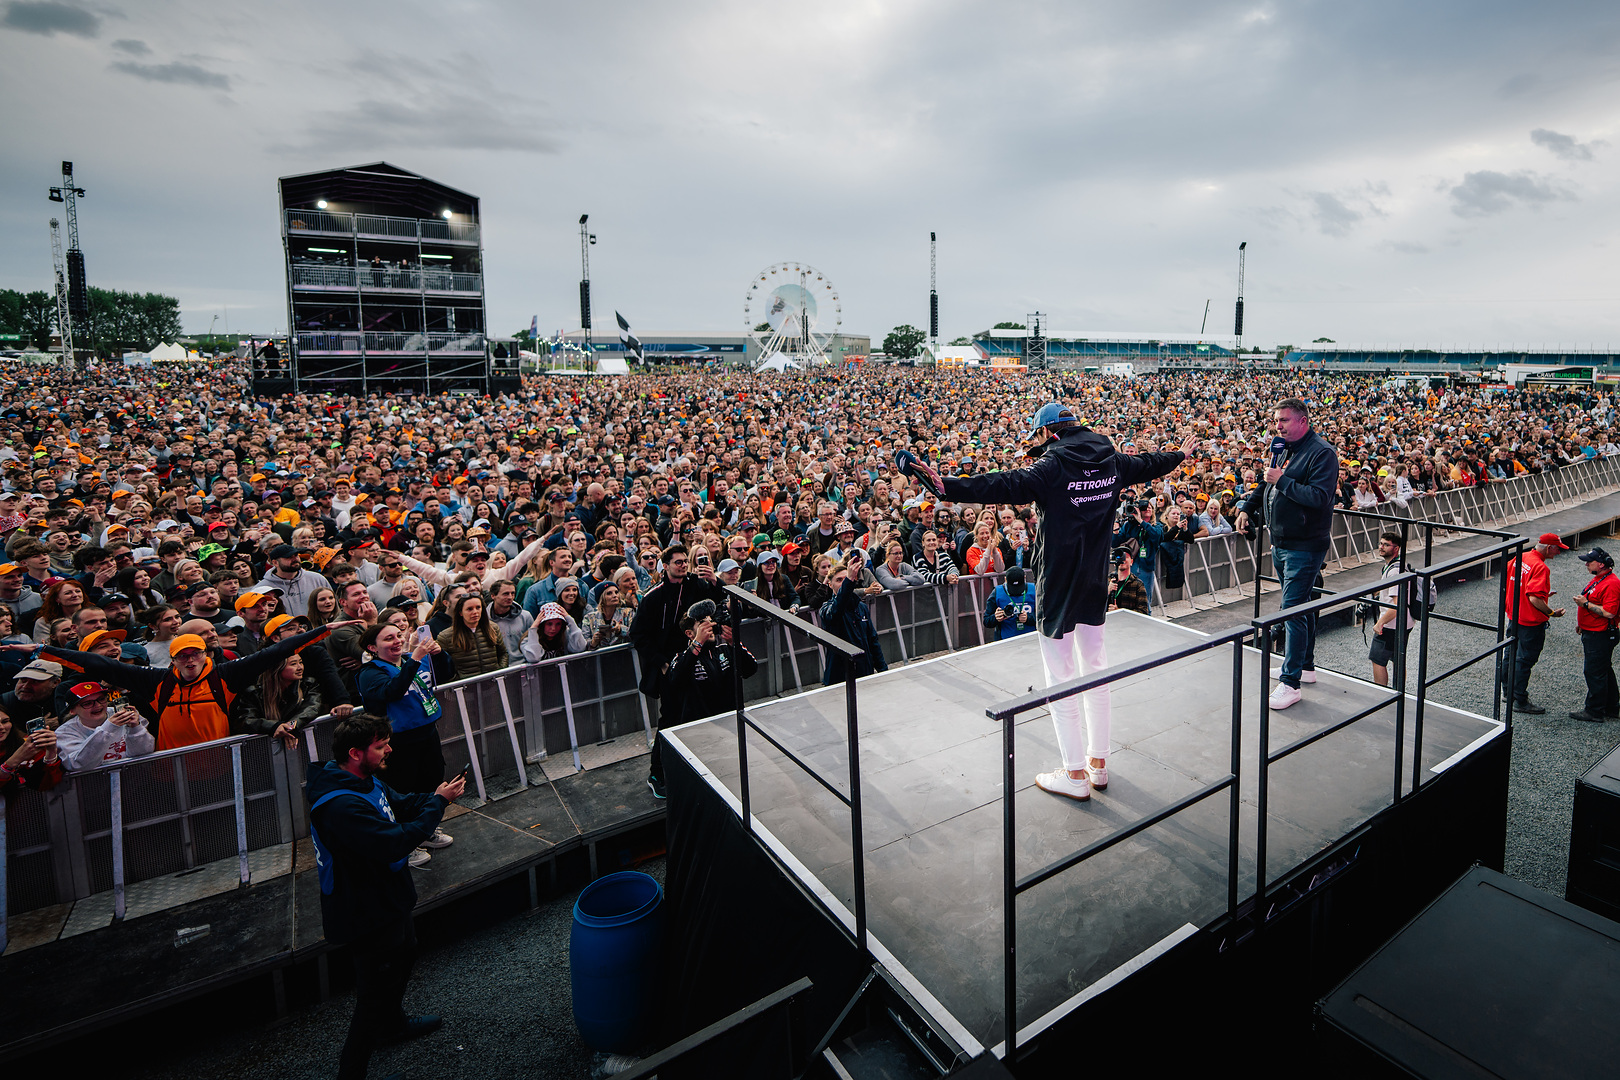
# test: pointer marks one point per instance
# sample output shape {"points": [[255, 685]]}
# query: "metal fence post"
{"points": [[511, 729], [240, 797], [568, 713], [472, 747], [115, 796]]}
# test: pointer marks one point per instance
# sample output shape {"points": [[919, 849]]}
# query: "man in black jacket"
{"points": [[364, 832], [701, 674], [657, 636], [1075, 484], [1296, 503]]}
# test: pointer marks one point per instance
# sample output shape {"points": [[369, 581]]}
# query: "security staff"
{"points": [[1530, 582], [1595, 611], [1075, 484]]}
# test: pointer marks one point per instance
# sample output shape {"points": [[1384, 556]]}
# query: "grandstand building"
{"points": [[385, 286], [686, 348]]}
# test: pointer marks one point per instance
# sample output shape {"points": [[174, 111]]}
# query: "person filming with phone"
{"points": [[397, 684], [365, 833]]}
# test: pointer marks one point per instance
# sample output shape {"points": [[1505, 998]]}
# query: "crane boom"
{"points": [[64, 319]]}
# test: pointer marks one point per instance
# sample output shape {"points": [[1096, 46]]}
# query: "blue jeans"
{"points": [[1297, 571], [1145, 576]]}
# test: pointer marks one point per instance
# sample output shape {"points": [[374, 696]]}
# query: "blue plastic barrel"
{"points": [[613, 957]]}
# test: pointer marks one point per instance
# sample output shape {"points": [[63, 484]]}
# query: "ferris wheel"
{"points": [[801, 309]]}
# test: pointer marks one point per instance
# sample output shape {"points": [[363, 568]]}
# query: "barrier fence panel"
{"points": [[31, 870]]}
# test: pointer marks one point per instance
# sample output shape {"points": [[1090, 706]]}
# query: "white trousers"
{"points": [[1079, 652]]}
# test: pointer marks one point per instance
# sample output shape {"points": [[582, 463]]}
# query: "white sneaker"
{"points": [[439, 839], [1059, 782], [1284, 696], [1097, 777], [418, 857], [1308, 675]]}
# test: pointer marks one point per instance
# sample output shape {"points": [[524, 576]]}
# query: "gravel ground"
{"points": [[1549, 751], [502, 989]]}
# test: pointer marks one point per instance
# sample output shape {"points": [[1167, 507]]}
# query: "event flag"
{"points": [[632, 344]]}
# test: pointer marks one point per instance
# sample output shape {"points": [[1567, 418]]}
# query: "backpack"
{"points": [[216, 687], [1415, 601]]}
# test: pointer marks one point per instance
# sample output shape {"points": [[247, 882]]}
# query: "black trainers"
{"points": [[1586, 716], [1528, 706], [414, 1028], [656, 786]]}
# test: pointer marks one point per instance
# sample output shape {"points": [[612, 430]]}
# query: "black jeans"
{"points": [[669, 714], [1602, 694], [1527, 652], [382, 967], [416, 765]]}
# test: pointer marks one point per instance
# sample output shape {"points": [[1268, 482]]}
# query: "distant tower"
{"points": [[586, 239], [1237, 324], [1035, 342], [933, 302], [78, 293]]}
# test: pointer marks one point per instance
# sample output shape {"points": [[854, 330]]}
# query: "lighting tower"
{"points": [[933, 303], [64, 320], [586, 239], [1237, 325], [78, 295], [1035, 342]]}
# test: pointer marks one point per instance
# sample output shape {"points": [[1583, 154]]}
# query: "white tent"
{"points": [[612, 365], [169, 352], [778, 362]]}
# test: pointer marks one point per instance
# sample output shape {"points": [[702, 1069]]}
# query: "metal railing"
{"points": [[307, 276], [743, 599], [371, 341], [380, 225]]}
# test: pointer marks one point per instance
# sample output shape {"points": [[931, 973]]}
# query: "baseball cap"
{"points": [[277, 623], [10, 568], [727, 565], [765, 557], [283, 551], [85, 691], [1597, 554], [761, 539], [1046, 415], [1553, 540], [186, 641], [94, 636], [253, 596], [790, 548], [40, 670]]}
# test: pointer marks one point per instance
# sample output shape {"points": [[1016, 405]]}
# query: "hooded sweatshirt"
{"points": [[364, 831], [1075, 486]]}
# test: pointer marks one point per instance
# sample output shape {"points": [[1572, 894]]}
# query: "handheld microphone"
{"points": [[1279, 447]]}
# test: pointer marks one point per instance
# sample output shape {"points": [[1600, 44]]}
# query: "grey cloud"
{"points": [[456, 122], [47, 17], [1331, 215], [1565, 147], [1407, 247], [1487, 192], [177, 73], [133, 47], [1519, 85]]}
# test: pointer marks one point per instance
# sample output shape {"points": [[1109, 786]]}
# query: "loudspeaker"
{"points": [[1594, 839]]}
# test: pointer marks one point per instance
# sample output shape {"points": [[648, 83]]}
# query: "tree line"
{"points": [[119, 321]]}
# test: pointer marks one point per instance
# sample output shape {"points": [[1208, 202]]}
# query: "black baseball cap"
{"points": [[1597, 554], [283, 551]]}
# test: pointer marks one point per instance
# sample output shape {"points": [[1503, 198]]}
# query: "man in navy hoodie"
{"points": [[364, 832]]}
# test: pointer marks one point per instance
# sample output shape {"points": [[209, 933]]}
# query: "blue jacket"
{"points": [[364, 831], [1010, 626], [404, 694], [845, 616]]}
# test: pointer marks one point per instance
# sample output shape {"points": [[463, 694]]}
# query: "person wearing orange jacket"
{"points": [[188, 702]]}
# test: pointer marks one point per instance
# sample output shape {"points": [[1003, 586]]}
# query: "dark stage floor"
{"points": [[931, 769]]}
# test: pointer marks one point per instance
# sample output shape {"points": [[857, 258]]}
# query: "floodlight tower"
{"points": [[933, 303], [64, 319], [586, 239], [78, 295], [1237, 324]]}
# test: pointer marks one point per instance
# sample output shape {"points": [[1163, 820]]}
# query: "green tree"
{"points": [[904, 341], [763, 328], [37, 317], [125, 320], [1321, 340], [962, 341], [1009, 326]]}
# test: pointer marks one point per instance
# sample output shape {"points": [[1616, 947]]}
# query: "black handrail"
{"points": [[852, 734], [786, 999]]}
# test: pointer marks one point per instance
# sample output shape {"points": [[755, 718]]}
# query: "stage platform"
{"points": [[931, 767]]}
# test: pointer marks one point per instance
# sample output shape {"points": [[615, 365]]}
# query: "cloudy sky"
{"points": [[1420, 173]]}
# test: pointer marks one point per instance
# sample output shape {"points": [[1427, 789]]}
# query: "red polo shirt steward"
{"points": [[1533, 579]]}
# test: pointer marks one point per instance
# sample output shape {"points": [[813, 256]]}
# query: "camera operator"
{"points": [[364, 833], [1141, 524], [701, 675], [1296, 504], [658, 637], [1126, 591], [1385, 643]]}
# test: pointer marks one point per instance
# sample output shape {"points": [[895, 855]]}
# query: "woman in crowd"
{"points": [[553, 634], [817, 589], [162, 623], [282, 701], [894, 573], [772, 585], [8, 629], [984, 556], [396, 684], [322, 607], [135, 582], [936, 565], [609, 622], [188, 572], [572, 599], [30, 758], [472, 642], [62, 600]]}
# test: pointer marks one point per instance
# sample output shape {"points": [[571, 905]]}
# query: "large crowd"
{"points": [[184, 561]]}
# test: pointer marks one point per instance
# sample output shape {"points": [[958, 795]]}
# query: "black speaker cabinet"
{"points": [[1594, 839]]}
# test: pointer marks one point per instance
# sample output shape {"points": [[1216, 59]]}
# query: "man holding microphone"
{"points": [[1075, 483], [1296, 503]]}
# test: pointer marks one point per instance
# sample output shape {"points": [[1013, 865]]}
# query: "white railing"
{"points": [[354, 341], [393, 228]]}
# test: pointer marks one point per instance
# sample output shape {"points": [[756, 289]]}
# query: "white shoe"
{"points": [[418, 857], [1059, 782], [1097, 777], [1308, 675], [1284, 696], [439, 839]]}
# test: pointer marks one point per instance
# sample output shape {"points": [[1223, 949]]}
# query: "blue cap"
{"points": [[1046, 416]]}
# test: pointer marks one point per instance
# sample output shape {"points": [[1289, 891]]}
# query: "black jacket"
{"points": [[1298, 508], [1075, 487], [845, 615], [703, 681], [369, 899], [656, 629]]}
